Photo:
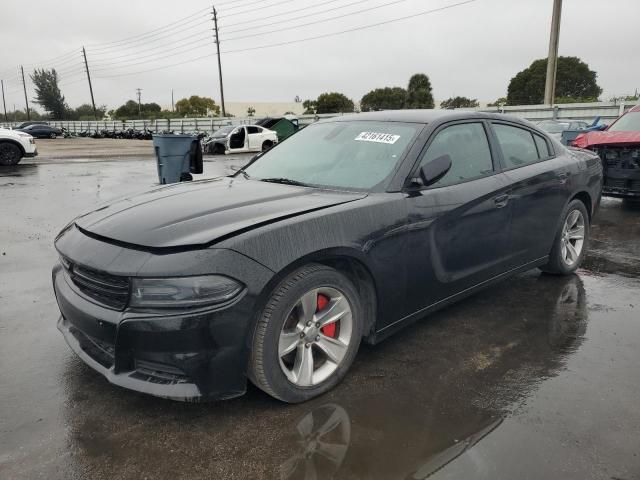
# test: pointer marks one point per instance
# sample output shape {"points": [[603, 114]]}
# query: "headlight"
{"points": [[183, 292], [31, 140]]}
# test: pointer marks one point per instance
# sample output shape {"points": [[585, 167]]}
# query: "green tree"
{"points": [[309, 107], [196, 106], [48, 93], [251, 111], [333, 102], [21, 116], [498, 102], [388, 98], [419, 92], [574, 80], [85, 112], [130, 110], [459, 102]]}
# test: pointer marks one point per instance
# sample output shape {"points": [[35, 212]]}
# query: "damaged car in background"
{"points": [[619, 149], [240, 139], [346, 232]]}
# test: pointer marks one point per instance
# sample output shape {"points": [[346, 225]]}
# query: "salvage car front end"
{"points": [[619, 149]]}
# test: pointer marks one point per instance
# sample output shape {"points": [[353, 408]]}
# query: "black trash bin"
{"points": [[178, 156]]}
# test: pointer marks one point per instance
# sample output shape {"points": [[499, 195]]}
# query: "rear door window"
{"points": [[517, 144], [543, 147]]}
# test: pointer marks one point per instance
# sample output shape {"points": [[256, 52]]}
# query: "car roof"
{"points": [[635, 109], [425, 116]]}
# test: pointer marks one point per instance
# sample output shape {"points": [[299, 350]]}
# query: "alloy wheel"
{"points": [[315, 336], [572, 240]]}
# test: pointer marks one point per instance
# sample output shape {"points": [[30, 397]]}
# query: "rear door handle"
{"points": [[501, 200]]}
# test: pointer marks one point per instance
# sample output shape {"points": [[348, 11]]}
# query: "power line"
{"points": [[315, 22], [301, 40], [160, 56], [161, 36], [356, 29], [259, 8], [158, 49], [168, 26], [290, 19]]}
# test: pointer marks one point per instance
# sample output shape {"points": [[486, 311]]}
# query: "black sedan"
{"points": [[346, 232], [41, 131]]}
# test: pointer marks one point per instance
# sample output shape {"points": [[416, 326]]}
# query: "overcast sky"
{"points": [[472, 49]]}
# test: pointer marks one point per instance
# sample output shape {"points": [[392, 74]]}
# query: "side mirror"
{"points": [[434, 170]]}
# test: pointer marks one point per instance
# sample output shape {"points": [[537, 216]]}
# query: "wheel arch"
{"points": [[14, 142], [586, 199], [347, 261]]}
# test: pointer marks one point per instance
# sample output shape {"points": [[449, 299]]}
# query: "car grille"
{"points": [[109, 290], [158, 373], [620, 157], [616, 183]]}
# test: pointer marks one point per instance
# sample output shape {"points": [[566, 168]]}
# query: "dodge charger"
{"points": [[349, 230]]}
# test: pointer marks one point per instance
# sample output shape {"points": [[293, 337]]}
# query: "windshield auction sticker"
{"points": [[377, 137]]}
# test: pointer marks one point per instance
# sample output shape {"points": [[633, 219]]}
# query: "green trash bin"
{"points": [[177, 156]]}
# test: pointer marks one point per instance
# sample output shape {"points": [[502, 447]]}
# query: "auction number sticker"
{"points": [[387, 138]]}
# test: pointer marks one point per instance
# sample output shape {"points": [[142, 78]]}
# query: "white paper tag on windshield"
{"points": [[377, 137]]}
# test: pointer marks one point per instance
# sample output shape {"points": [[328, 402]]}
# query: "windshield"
{"points": [[627, 123], [553, 127], [224, 131], [352, 155]]}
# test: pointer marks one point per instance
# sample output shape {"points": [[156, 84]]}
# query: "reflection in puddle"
{"points": [[19, 170], [417, 404], [323, 440]]}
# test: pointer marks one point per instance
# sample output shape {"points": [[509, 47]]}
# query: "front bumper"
{"points": [[31, 154], [187, 355]]}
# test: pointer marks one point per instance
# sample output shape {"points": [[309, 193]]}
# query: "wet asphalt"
{"points": [[535, 378]]}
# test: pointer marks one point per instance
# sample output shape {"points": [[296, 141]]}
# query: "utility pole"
{"points": [[552, 60], [173, 108], [139, 93], [4, 103], [26, 101], [86, 66], [215, 25]]}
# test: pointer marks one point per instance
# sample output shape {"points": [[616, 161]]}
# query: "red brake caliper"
{"points": [[327, 330]]}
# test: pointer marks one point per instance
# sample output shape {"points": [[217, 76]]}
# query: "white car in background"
{"points": [[240, 139], [14, 146]]}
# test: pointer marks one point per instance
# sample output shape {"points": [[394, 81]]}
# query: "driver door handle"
{"points": [[501, 200]]}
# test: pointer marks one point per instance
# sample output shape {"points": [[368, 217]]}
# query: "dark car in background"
{"points": [[347, 231], [26, 124], [38, 130], [619, 148], [555, 127]]}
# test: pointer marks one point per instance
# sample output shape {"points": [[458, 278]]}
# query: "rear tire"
{"points": [[10, 154], [293, 321], [571, 241], [267, 145]]}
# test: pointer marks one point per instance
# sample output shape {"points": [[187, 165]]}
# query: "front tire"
{"points": [[10, 154], [53, 136], [307, 335], [570, 244]]}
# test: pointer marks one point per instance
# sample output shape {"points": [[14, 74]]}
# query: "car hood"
{"points": [[17, 134], [591, 139], [200, 213]]}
